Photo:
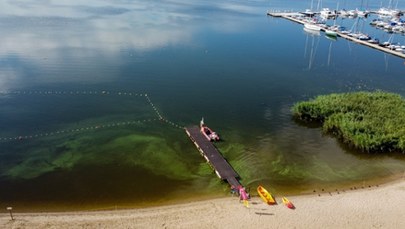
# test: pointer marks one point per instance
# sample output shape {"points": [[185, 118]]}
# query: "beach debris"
{"points": [[263, 213]]}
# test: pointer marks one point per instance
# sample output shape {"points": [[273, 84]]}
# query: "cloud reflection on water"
{"points": [[63, 31]]}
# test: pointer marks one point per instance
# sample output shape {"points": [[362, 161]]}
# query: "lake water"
{"points": [[78, 132]]}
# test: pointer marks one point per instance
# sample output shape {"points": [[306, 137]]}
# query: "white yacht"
{"points": [[312, 26], [344, 13], [327, 13], [362, 13], [385, 12]]}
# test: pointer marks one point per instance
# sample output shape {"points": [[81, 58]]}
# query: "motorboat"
{"points": [[385, 12], [207, 132], [362, 13], [352, 13], [373, 41], [327, 13], [308, 13], [374, 22], [343, 13], [330, 33], [364, 37]]}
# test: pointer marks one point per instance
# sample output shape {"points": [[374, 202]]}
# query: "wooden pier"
{"points": [[292, 17], [211, 154]]}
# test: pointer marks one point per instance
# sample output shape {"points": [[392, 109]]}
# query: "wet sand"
{"points": [[368, 207]]}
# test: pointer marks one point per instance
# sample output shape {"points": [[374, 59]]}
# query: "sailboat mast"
{"points": [[337, 10]]}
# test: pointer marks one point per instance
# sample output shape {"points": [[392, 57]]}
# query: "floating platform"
{"points": [[211, 154], [292, 17]]}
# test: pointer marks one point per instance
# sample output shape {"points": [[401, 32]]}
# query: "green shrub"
{"points": [[369, 121]]}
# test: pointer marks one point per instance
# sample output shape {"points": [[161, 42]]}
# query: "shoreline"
{"points": [[380, 207], [320, 189]]}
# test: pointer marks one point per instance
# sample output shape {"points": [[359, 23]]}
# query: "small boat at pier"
{"points": [[330, 33], [374, 41], [327, 13], [265, 195], [308, 13], [312, 27], [207, 132], [384, 12], [362, 13]]}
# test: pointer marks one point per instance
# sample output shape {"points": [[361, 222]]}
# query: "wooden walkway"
{"points": [[207, 149]]}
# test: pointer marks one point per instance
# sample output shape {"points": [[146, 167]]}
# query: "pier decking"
{"points": [[292, 17], [207, 149]]}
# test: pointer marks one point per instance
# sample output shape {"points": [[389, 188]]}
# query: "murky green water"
{"points": [[79, 139]]}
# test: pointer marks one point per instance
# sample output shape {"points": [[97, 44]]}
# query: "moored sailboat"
{"points": [[312, 26], [330, 33]]}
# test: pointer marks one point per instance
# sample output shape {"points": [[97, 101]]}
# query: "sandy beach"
{"points": [[368, 207]]}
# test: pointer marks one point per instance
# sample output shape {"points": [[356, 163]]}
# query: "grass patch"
{"points": [[368, 121]]}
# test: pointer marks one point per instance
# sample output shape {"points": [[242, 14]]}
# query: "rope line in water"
{"points": [[78, 129], [71, 92], [78, 92], [153, 107], [160, 116], [173, 124]]}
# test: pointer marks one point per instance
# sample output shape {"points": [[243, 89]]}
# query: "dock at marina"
{"points": [[294, 16]]}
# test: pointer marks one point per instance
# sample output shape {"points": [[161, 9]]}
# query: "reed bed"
{"points": [[368, 121]]}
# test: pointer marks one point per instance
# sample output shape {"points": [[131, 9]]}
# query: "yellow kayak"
{"points": [[288, 203], [265, 195]]}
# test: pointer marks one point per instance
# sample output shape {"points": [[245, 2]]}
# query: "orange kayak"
{"points": [[288, 203], [265, 195]]}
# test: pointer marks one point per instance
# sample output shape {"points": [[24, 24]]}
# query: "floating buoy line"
{"points": [[86, 128]]}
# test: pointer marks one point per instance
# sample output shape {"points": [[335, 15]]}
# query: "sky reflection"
{"points": [[62, 31]]}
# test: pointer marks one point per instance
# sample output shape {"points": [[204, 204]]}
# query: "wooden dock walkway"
{"points": [[291, 16], [211, 154]]}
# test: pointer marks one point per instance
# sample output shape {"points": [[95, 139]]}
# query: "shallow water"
{"points": [[79, 139]]}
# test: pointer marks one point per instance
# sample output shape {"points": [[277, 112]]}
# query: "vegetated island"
{"points": [[368, 121]]}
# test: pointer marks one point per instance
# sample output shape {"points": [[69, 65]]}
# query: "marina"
{"points": [[299, 18]]}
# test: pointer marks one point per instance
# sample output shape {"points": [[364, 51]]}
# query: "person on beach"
{"points": [[233, 190]]}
